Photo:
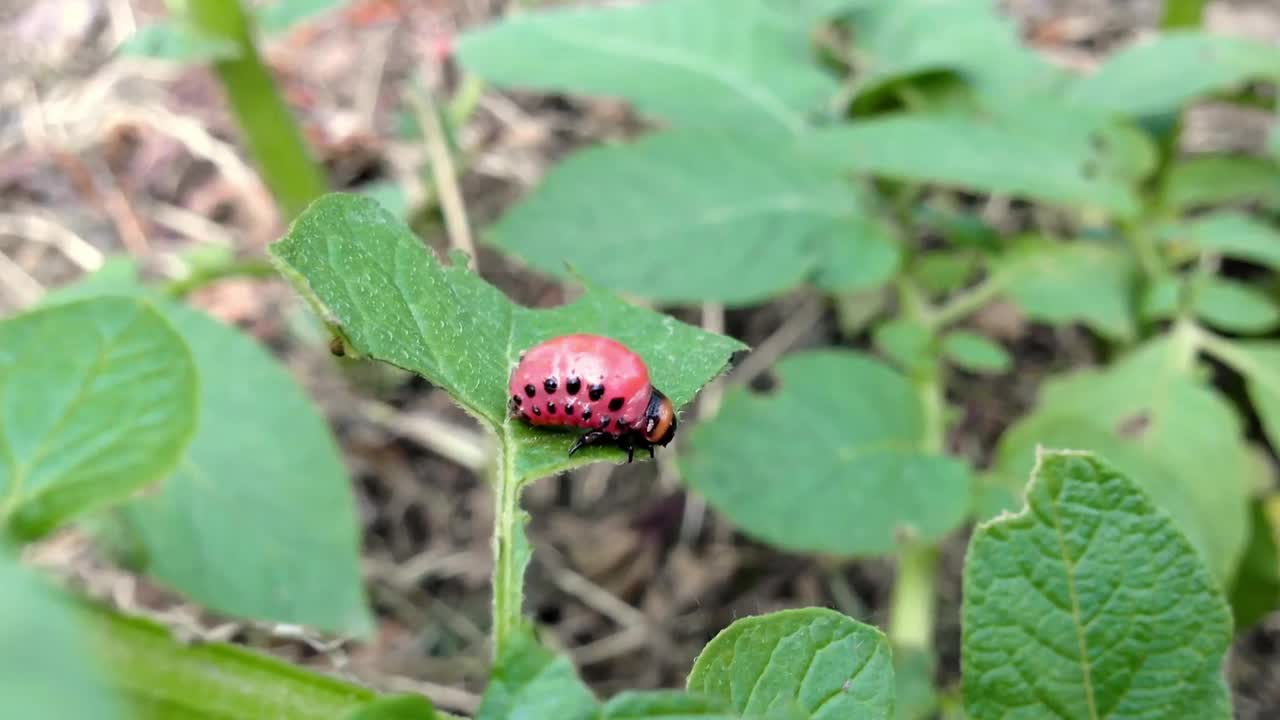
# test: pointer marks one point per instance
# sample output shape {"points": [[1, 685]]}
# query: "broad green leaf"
{"points": [[1209, 180], [803, 664], [281, 15], [694, 216], [908, 343], [529, 682], [1161, 426], [665, 705], [254, 522], [1230, 234], [97, 400], [829, 462], [159, 677], [1255, 591], [45, 670], [177, 41], [392, 300], [395, 707], [1090, 604], [1163, 74], [694, 63], [1079, 281], [972, 351], [1039, 152], [1235, 307], [1258, 361]]}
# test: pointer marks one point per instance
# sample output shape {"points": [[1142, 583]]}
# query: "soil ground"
{"points": [[631, 575]]}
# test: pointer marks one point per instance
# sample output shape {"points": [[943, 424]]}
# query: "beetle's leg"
{"points": [[592, 438]]}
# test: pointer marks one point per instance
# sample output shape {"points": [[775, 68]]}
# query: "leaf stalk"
{"points": [[508, 565]]}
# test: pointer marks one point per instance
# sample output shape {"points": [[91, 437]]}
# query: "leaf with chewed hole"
{"points": [[382, 290], [849, 431], [803, 664], [97, 400], [1090, 603]]}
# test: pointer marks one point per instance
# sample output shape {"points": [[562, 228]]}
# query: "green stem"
{"points": [[1144, 248], [271, 131], [510, 550], [967, 302], [1182, 14], [912, 608], [200, 277]]}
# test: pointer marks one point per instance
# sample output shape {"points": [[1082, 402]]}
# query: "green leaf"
{"points": [[161, 678], [1162, 298], [972, 351], [1163, 74], [395, 707], [177, 41], [665, 705], [282, 15], [1255, 591], [1035, 152], [1080, 281], [908, 343], [803, 664], [531, 683], [704, 63], [839, 440], [945, 271], [1235, 307], [915, 696], [45, 670], [1090, 604], [1161, 426], [694, 216], [97, 400], [254, 522], [391, 300], [1209, 180], [1230, 234], [1258, 361]]}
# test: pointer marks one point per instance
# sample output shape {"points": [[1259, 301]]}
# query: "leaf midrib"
{"points": [[1076, 623]]}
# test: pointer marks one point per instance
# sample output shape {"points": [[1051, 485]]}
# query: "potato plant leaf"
{"points": [[665, 705], [693, 63], [1229, 234], [532, 683], [1157, 423], [802, 664], [395, 707], [972, 351], [1038, 151], [1090, 604], [97, 400], [693, 216], [177, 41], [45, 671], [1162, 74], [1236, 307], [280, 16], [1080, 281], [253, 521], [1210, 180], [1255, 591], [1258, 362], [848, 430], [389, 297]]}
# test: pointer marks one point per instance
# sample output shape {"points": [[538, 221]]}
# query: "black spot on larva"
{"points": [[568, 408], [615, 404], [551, 408], [530, 390], [586, 414], [595, 392], [573, 386], [537, 410], [604, 421], [516, 399], [524, 417], [550, 385], [621, 425]]}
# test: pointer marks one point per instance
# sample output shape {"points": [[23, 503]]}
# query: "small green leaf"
{"points": [[395, 707], [665, 705], [694, 216], [803, 664], [254, 522], [1090, 604], [1080, 281], [531, 683], [45, 671], [704, 63], [1235, 307], [1161, 75], [386, 293], [1160, 425], [1210, 180], [1037, 152], [177, 41], [282, 15], [1230, 234], [972, 351], [848, 432], [944, 271], [1256, 589], [97, 400], [908, 343], [1161, 299]]}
